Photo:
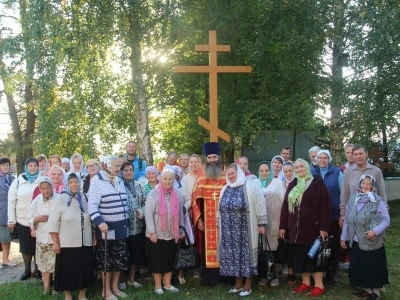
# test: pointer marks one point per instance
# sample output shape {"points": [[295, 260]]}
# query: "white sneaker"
{"points": [[135, 284], [181, 280], [245, 293], [171, 289], [122, 285], [285, 270]]}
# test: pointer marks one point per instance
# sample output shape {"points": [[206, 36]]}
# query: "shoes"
{"points": [[135, 284], [362, 294], [285, 270], [382, 289], [24, 277], [302, 288], [274, 282], [181, 280], [112, 297], [9, 264], [121, 294], [159, 291], [316, 292], [54, 292], [122, 285], [38, 275], [291, 279], [263, 282], [196, 274], [374, 296], [245, 293], [171, 289], [234, 291]]}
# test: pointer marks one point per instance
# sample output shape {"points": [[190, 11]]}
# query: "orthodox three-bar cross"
{"points": [[213, 69]]}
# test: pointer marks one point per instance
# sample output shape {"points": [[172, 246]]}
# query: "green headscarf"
{"points": [[297, 192], [264, 182]]}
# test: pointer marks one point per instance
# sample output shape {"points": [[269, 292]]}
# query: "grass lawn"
{"points": [[32, 289]]}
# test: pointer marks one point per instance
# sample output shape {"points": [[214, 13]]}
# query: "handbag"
{"points": [[14, 234], [266, 260], [189, 228], [324, 253], [187, 256]]}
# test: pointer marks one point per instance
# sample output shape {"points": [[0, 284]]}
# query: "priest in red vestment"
{"points": [[205, 201]]}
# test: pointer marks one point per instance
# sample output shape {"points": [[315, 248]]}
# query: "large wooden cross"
{"points": [[213, 69], [377, 154]]}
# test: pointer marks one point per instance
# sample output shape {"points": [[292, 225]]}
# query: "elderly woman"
{"points": [[43, 167], [38, 216], [71, 231], [333, 178], [241, 217], [306, 214], [151, 174], [65, 164], [20, 196], [92, 166], [108, 208], [164, 216], [77, 165], [136, 240], [364, 227], [6, 178], [57, 175], [243, 163]]}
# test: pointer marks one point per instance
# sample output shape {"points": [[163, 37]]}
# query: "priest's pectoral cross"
{"points": [[213, 69], [215, 194]]}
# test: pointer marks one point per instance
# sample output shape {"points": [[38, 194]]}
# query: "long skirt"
{"points": [[137, 249], [27, 243], [74, 269], [368, 269], [161, 255], [301, 262]]}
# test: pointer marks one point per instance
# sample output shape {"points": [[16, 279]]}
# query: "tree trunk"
{"points": [[139, 94], [336, 138]]}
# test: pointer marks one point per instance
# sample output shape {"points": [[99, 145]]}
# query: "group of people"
{"points": [[118, 215]]}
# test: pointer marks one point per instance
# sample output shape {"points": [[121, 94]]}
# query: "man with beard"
{"points": [[138, 164], [205, 200]]}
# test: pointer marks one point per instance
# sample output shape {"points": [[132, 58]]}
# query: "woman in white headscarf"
{"points": [[241, 217]]}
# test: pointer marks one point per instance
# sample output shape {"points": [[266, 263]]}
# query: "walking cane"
{"points": [[105, 267]]}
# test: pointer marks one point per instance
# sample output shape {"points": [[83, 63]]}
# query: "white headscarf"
{"points": [[327, 152], [240, 178]]}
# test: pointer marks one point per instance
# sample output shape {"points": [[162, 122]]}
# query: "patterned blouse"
{"points": [[136, 201]]}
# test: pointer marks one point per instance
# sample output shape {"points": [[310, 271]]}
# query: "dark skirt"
{"points": [[74, 269], [27, 243], [137, 249], [161, 255], [117, 255], [301, 262], [368, 269]]}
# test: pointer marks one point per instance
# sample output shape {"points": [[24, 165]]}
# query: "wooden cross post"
{"points": [[213, 69], [377, 154]]}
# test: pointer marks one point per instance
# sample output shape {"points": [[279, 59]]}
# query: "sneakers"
{"points": [[135, 284], [275, 282], [245, 293], [181, 280], [171, 289], [316, 292], [302, 288]]}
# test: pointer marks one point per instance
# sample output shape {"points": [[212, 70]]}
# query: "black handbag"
{"points": [[14, 234], [324, 253], [266, 260], [187, 256]]}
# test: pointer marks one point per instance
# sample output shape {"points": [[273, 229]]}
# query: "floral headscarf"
{"points": [[70, 194], [264, 182], [298, 190], [370, 194]]}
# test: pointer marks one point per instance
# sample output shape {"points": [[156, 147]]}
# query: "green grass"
{"points": [[32, 289]]}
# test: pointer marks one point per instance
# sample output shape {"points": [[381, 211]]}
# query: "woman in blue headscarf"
{"points": [[71, 230], [20, 196]]}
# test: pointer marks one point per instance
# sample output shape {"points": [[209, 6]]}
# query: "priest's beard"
{"points": [[214, 171]]}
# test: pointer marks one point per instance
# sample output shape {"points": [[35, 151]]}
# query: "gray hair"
{"points": [[314, 149]]}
